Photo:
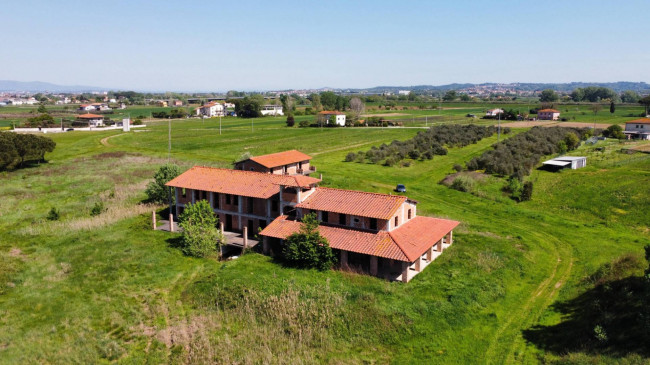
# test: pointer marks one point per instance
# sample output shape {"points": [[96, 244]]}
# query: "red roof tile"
{"points": [[237, 182], [406, 243], [549, 110], [639, 121], [90, 116], [359, 203], [281, 158]]}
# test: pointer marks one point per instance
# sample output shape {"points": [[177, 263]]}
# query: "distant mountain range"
{"points": [[640, 87], [39, 86], [620, 86]]}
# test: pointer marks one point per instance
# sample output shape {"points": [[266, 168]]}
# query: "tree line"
{"points": [[424, 145], [517, 156], [18, 149]]}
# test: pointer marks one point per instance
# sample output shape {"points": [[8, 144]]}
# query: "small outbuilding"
{"points": [[566, 161]]}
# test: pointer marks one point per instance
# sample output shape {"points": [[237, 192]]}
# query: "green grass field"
{"points": [[107, 288]]}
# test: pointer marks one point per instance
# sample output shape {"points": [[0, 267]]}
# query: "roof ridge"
{"points": [[364, 192]]}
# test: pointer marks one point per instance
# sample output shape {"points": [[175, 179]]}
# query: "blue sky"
{"points": [[261, 45]]}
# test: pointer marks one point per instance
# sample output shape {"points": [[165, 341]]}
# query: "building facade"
{"points": [[548, 114], [638, 129]]}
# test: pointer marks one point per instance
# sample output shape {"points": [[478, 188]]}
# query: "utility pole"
{"points": [[499, 129], [169, 141], [219, 124]]}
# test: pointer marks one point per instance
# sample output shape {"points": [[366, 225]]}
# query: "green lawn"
{"points": [[107, 288]]}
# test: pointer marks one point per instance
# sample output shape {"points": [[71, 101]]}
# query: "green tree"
{"points": [[307, 248], [548, 95], [612, 107], [250, 106], [201, 238], [450, 95], [629, 96], [41, 108], [572, 141], [465, 97], [645, 102], [527, 191], [8, 153], [329, 100], [614, 131], [156, 190]]}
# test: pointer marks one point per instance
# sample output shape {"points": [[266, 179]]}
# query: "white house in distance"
{"points": [[93, 120], [493, 112], [548, 114], [212, 109], [638, 129], [566, 161], [334, 117], [272, 110], [94, 107]]}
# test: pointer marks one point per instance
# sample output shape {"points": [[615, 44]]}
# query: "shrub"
{"points": [[614, 131], [458, 167], [290, 121], [53, 214], [527, 191], [303, 124], [463, 183], [97, 209], [201, 238], [307, 248], [350, 157], [156, 191], [137, 122]]}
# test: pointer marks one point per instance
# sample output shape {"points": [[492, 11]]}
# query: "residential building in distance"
{"points": [[638, 129], [493, 113], [93, 120], [282, 163], [378, 234], [211, 109], [94, 107], [332, 117], [272, 110], [548, 114]]}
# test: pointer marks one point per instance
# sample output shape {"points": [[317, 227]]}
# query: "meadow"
{"points": [[109, 289]]}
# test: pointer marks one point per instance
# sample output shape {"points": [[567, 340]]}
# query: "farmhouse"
{"points": [[282, 163], [272, 110], [212, 109], [374, 233], [638, 129], [566, 161], [94, 107], [493, 113], [548, 114], [93, 120], [334, 117]]}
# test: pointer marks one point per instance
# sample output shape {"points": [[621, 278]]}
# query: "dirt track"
{"points": [[553, 124]]}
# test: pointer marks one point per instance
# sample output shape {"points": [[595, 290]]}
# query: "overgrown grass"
{"points": [[92, 289]]}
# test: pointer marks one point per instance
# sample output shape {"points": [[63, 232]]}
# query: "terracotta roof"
{"points": [[90, 116], [359, 203], [549, 110], [281, 158], [639, 121], [406, 243], [327, 112], [237, 182]]}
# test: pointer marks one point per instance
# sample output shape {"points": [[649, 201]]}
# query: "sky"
{"points": [[273, 45]]}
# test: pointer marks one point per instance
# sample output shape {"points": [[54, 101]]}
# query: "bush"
{"points": [[307, 248], [350, 157], [527, 191], [458, 168], [290, 121], [303, 124], [156, 191], [97, 209], [463, 183], [137, 122], [201, 238], [614, 131], [53, 215]]}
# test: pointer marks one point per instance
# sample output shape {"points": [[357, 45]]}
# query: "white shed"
{"points": [[575, 162]]}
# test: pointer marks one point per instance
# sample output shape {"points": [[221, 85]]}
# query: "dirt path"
{"points": [[104, 140]]}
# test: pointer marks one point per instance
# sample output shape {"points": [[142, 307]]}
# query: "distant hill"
{"points": [[620, 86], [39, 86]]}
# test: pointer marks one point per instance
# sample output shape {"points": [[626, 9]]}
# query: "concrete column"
{"points": [[171, 222], [344, 259], [241, 204], [429, 253], [439, 246], [450, 238], [298, 191], [373, 265], [405, 272], [245, 236], [221, 227], [265, 245], [153, 219], [418, 263]]}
